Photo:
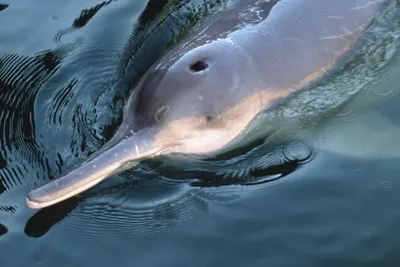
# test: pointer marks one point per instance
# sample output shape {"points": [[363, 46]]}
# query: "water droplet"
{"points": [[386, 185], [297, 150], [321, 138], [333, 133], [353, 167]]}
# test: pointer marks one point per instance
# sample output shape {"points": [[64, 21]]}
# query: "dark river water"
{"points": [[328, 198]]}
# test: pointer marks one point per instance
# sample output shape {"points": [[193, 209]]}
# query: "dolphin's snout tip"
{"points": [[31, 203], [36, 200]]}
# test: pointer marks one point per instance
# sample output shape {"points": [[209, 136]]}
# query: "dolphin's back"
{"points": [[303, 38], [282, 45]]}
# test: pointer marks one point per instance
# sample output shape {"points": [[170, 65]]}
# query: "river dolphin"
{"points": [[203, 93]]}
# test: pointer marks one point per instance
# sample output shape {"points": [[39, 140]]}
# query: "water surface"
{"points": [[66, 68]]}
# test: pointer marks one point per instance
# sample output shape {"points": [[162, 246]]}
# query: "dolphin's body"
{"points": [[204, 92]]}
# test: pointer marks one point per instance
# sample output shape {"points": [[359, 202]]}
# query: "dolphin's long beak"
{"points": [[110, 160]]}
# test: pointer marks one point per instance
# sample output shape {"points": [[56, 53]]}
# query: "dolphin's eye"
{"points": [[199, 65], [209, 118]]}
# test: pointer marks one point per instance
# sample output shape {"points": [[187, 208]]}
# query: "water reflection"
{"points": [[87, 14], [3, 230], [3, 6], [41, 222]]}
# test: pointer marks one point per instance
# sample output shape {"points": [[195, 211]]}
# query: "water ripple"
{"points": [[60, 102], [8, 209], [261, 164], [85, 16], [21, 77], [159, 203]]}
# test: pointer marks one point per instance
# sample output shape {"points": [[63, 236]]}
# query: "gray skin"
{"points": [[203, 93]]}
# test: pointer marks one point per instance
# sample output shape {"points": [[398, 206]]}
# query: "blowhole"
{"points": [[198, 66]]}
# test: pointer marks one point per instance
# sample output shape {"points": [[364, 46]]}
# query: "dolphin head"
{"points": [[184, 101]]}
